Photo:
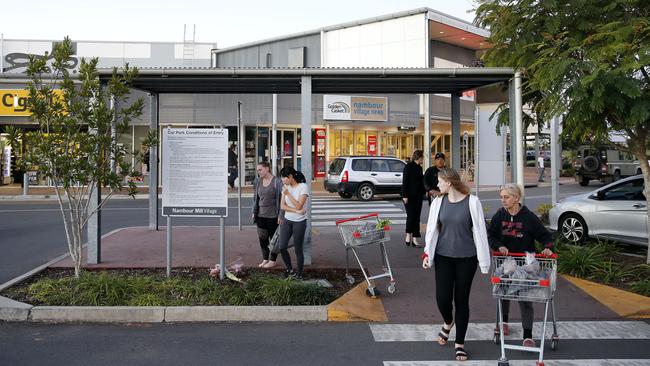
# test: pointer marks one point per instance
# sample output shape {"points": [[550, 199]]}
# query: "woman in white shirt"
{"points": [[294, 196], [456, 243]]}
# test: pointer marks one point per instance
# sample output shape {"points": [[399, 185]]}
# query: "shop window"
{"points": [[360, 146], [249, 154], [335, 144], [347, 142]]}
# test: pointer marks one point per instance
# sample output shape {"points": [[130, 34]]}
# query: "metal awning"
{"points": [[324, 80]]}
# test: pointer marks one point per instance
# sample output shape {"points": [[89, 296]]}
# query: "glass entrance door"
{"points": [[286, 148]]}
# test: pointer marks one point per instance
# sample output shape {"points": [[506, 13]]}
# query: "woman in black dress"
{"points": [[412, 193]]}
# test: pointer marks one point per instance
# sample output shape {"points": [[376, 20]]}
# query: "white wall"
{"points": [[491, 159], [391, 43]]}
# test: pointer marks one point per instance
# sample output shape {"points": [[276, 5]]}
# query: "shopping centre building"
{"points": [[388, 125]]}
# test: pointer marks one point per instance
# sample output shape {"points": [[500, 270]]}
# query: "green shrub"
{"points": [[568, 172], [610, 271], [543, 211], [109, 289], [580, 261], [641, 287]]}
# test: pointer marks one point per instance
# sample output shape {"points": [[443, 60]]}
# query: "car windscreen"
{"points": [[337, 166]]}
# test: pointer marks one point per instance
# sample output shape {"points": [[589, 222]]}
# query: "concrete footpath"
{"points": [[413, 301]]}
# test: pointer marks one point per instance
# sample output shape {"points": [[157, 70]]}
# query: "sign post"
{"points": [[195, 178]]}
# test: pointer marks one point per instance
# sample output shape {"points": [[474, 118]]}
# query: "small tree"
{"points": [[75, 145], [588, 59]]}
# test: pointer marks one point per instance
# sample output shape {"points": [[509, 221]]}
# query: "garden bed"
{"points": [[186, 287], [603, 262]]}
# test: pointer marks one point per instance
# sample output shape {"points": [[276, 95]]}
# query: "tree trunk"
{"points": [[641, 154]]}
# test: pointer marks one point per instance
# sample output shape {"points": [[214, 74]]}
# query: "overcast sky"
{"points": [[226, 23]]}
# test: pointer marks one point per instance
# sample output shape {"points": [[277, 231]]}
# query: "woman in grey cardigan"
{"points": [[267, 215]]}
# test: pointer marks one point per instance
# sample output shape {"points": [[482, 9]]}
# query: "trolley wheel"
{"points": [[554, 343], [391, 288], [372, 292], [350, 279]]}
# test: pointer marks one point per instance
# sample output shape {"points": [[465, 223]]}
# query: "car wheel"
{"points": [[573, 228], [366, 192], [345, 195], [617, 176], [584, 181]]}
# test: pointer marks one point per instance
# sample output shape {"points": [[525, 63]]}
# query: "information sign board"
{"points": [[195, 172]]}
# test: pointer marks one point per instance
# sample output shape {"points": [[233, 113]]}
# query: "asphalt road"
{"points": [[31, 232], [259, 344]]}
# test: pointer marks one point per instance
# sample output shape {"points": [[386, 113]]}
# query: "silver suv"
{"points": [[364, 176]]}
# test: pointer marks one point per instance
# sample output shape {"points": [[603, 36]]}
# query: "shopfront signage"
{"points": [[195, 172], [355, 108], [13, 102], [372, 145]]}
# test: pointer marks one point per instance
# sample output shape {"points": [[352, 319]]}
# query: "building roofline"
{"points": [[94, 41], [437, 16]]}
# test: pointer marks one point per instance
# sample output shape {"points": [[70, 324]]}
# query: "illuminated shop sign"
{"points": [[354, 108]]}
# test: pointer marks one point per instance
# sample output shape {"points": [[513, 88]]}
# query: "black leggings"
{"points": [[527, 315], [297, 230], [454, 278], [413, 211], [265, 229]]}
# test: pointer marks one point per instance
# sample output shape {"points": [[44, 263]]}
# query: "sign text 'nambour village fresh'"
{"points": [[355, 108]]}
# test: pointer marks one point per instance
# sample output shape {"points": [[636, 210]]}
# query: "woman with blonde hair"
{"points": [[514, 228], [456, 243]]}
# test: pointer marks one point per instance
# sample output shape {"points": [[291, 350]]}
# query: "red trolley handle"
{"points": [[511, 254], [357, 218]]}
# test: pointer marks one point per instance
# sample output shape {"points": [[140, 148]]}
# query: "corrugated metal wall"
{"points": [[255, 56]]}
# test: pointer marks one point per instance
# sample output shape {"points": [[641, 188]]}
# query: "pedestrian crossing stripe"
{"points": [[605, 362], [333, 223], [485, 331], [357, 210], [326, 210], [341, 217], [329, 205]]}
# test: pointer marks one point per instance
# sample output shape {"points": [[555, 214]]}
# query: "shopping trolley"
{"points": [[540, 287], [360, 232]]}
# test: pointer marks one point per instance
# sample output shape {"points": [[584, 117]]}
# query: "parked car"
{"points": [[616, 211], [605, 163], [364, 176]]}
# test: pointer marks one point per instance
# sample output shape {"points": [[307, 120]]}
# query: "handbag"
{"points": [[274, 243]]}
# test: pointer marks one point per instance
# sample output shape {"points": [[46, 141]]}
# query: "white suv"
{"points": [[364, 176]]}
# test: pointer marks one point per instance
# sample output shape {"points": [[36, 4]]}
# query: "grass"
{"points": [[127, 289]]}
